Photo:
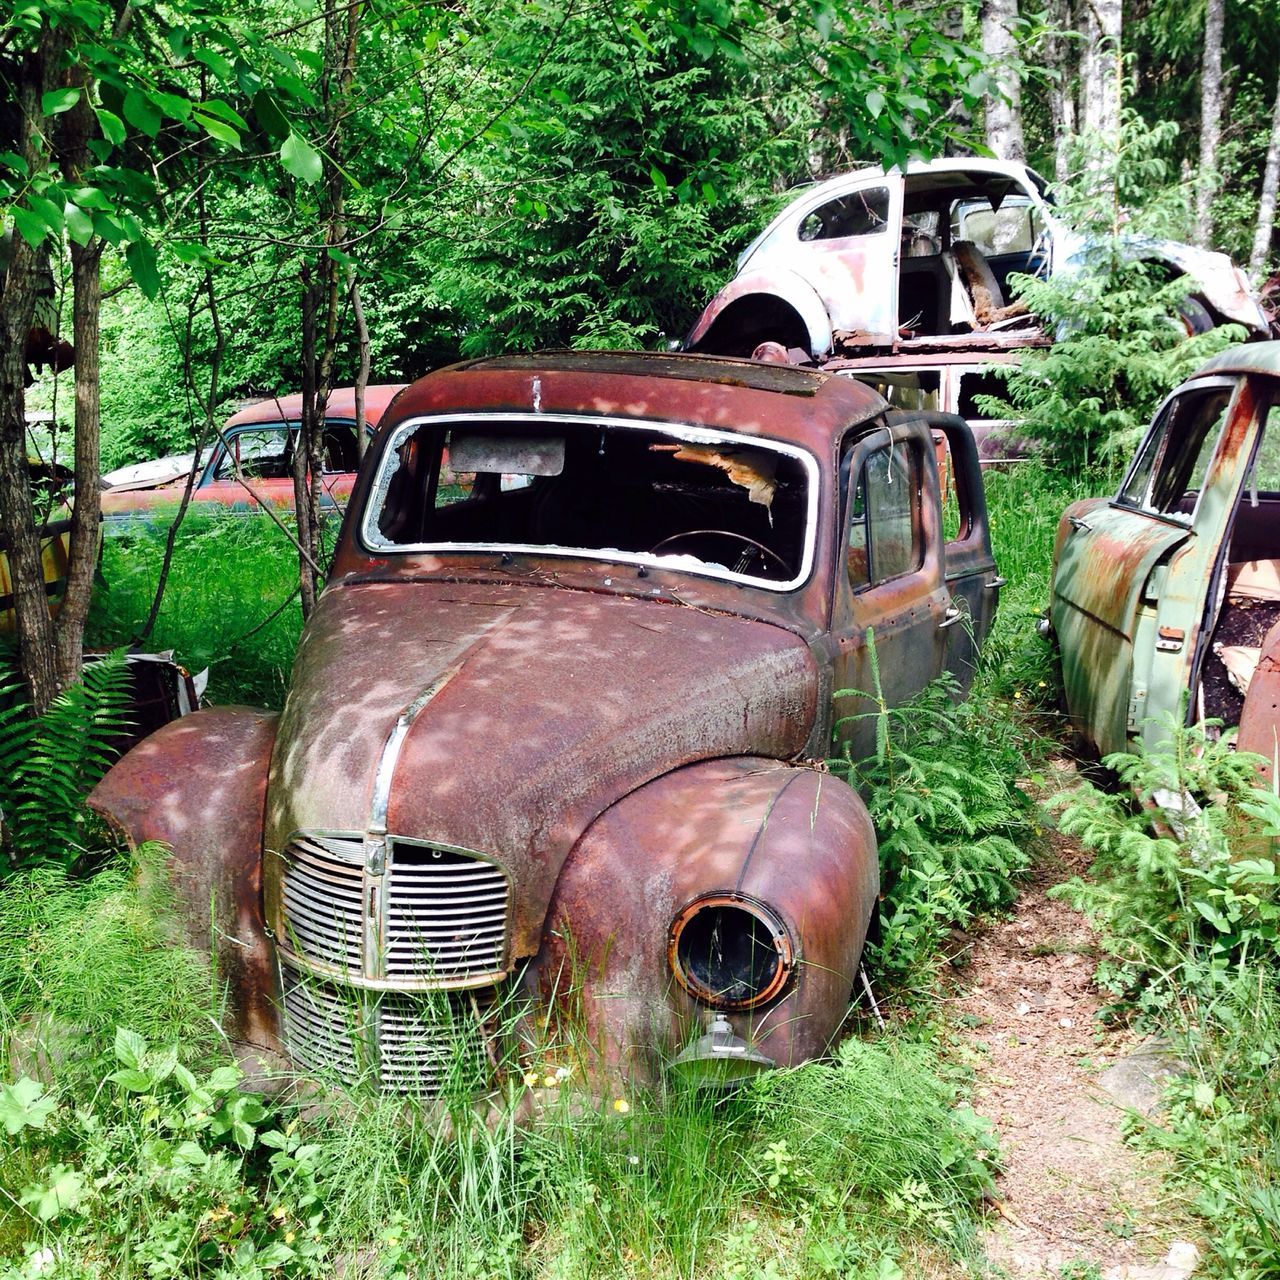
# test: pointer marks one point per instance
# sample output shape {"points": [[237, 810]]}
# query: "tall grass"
{"points": [[229, 604]]}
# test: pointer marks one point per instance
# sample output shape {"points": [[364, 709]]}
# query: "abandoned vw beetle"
{"points": [[554, 725], [1168, 594]]}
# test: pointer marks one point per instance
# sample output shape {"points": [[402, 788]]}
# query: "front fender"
{"points": [[775, 285], [199, 785], [796, 839]]}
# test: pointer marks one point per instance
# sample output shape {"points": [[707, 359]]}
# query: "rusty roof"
{"points": [[341, 404], [750, 396], [1248, 357]]}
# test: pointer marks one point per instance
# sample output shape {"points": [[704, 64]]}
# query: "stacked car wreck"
{"points": [[555, 727]]}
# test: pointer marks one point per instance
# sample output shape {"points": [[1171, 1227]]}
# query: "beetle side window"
{"points": [[1171, 468], [860, 213], [884, 517]]}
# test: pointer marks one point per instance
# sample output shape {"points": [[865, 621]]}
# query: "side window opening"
{"points": [[263, 454], [885, 535], [1171, 468], [860, 213]]}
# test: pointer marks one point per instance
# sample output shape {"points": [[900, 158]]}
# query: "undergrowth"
{"points": [[1185, 894]]}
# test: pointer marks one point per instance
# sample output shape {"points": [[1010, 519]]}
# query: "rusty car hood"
{"points": [[525, 712]]}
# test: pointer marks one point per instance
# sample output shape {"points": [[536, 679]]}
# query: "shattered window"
{"points": [[696, 500], [263, 454], [860, 213], [1174, 460], [885, 539], [905, 389]]}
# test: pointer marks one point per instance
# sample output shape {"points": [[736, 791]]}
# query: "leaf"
{"points": [[875, 103], [223, 1078], [56, 101], [301, 159], [217, 129], [141, 258], [1203, 1095], [15, 162], [79, 223], [129, 1047], [111, 125], [216, 107], [65, 1191], [23, 1105], [49, 212], [140, 113], [270, 117], [133, 1080]]}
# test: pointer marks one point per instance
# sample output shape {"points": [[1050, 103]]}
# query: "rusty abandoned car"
{"points": [[919, 260], [556, 724], [1167, 596]]}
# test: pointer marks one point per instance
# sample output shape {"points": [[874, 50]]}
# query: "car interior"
{"points": [[264, 453], [733, 504], [963, 236]]}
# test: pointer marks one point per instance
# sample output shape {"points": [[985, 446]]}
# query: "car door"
{"points": [[890, 592], [969, 564], [846, 246], [255, 457], [1133, 574]]}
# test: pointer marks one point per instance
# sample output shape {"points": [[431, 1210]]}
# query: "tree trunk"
{"points": [[1210, 119], [1060, 64], [1267, 202], [1101, 81], [29, 78], [1003, 114], [362, 375], [86, 262]]}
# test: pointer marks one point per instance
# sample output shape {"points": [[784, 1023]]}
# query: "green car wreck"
{"points": [[1166, 598]]}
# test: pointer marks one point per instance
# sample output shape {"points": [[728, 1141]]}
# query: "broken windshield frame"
{"points": [[383, 525]]}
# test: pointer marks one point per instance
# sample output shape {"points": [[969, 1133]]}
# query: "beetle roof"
{"points": [[750, 396], [341, 404], [1249, 357]]}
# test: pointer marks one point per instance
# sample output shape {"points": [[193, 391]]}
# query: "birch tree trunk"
{"points": [[1101, 80], [1003, 113], [1267, 202], [1061, 65], [1210, 119]]}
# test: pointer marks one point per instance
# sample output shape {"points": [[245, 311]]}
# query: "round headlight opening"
{"points": [[730, 951]]}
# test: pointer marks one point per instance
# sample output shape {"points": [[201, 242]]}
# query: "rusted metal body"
{"points": [[137, 494], [582, 770], [1162, 597], [920, 259]]}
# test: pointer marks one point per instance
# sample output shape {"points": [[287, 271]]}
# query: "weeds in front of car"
{"points": [[150, 1156], [1185, 894]]}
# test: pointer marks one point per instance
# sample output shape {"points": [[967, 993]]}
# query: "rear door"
{"points": [[890, 583]]}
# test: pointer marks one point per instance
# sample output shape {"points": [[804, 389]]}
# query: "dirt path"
{"points": [[1071, 1191]]}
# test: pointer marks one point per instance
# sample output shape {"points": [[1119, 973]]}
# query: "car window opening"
{"points": [[728, 505], [1249, 596]]}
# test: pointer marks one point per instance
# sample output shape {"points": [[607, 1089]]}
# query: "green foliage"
{"points": [[1120, 341], [1185, 887], [952, 824], [80, 955], [230, 603], [49, 764]]}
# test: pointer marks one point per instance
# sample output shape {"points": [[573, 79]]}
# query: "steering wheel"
{"points": [[767, 552]]}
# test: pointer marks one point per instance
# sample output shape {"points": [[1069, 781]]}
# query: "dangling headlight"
{"points": [[730, 951]]}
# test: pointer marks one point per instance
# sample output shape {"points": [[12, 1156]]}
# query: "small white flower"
{"points": [[633, 1159], [41, 1261]]}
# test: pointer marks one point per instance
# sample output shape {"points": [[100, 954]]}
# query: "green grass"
{"points": [[231, 574]]}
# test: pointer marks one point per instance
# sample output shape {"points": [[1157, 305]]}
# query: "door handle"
{"points": [[951, 617], [996, 583], [1077, 523]]}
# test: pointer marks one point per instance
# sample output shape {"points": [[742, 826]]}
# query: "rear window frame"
{"points": [[374, 543]]}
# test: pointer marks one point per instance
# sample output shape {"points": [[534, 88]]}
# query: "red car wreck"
{"points": [[557, 721]]}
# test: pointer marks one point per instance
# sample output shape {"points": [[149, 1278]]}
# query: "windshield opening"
{"points": [[707, 502]]}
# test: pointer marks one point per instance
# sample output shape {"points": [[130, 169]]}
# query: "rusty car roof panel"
{"points": [[748, 396], [341, 404], [1249, 357]]}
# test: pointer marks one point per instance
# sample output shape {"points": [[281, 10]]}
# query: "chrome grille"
{"points": [[446, 915], [322, 888], [415, 1044]]}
